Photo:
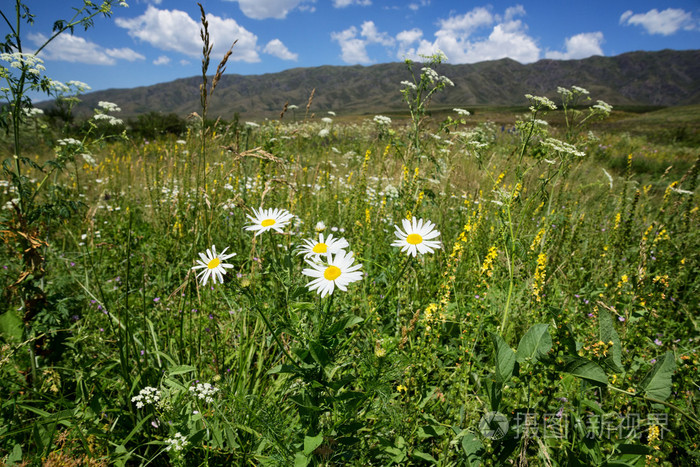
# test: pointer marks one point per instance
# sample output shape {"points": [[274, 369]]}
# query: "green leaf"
{"points": [[607, 333], [535, 343], [657, 383], [318, 352], [473, 448], [180, 370], [11, 325], [311, 443], [586, 369], [300, 460], [424, 456], [505, 359]]}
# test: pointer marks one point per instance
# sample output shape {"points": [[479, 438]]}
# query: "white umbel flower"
{"points": [[417, 237], [323, 246], [268, 219], [337, 271], [212, 265]]}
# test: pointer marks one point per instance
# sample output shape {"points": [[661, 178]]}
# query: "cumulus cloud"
{"points": [[460, 38], [263, 9], [162, 60], [580, 46], [666, 22], [353, 42], [415, 6], [75, 49], [344, 3], [278, 49], [176, 31]]}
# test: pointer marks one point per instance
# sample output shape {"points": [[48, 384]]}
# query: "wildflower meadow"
{"points": [[425, 288]]}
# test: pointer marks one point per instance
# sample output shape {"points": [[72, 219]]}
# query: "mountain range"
{"points": [[663, 78]]}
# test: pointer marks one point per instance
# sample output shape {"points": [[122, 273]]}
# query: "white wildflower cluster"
{"points": [[252, 125], [539, 102], [69, 142], [29, 62], [78, 86], [331, 113], [123, 4], [462, 112], [108, 106], [429, 73], [603, 107], [381, 120], [58, 86], [102, 114], [562, 147], [204, 391], [32, 112], [324, 132], [176, 443], [327, 120], [409, 85], [89, 159], [109, 119], [147, 395]]}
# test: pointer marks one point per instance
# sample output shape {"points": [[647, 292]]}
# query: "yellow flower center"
{"points": [[414, 239], [332, 273], [268, 222], [320, 248], [214, 263]]}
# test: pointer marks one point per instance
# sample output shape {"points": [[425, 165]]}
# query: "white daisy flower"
{"points": [[266, 219], [320, 227], [337, 271], [323, 246], [212, 265], [417, 237]]}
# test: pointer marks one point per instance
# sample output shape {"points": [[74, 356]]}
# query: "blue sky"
{"points": [[154, 41]]}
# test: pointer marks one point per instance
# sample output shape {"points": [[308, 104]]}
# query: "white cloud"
{"points": [[457, 38], [580, 46], [125, 53], [417, 5], [75, 49], [278, 49], [373, 36], [162, 60], [262, 9], [174, 30], [354, 48], [666, 22], [344, 3]]}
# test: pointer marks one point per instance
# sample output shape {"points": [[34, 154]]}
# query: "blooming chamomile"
{"points": [[417, 237], [267, 219], [212, 265], [337, 271], [315, 248]]}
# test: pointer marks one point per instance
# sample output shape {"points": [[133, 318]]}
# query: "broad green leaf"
{"points": [[607, 333], [11, 325], [319, 354], [311, 443], [180, 370], [424, 456], [657, 383], [586, 369], [300, 460], [505, 359], [473, 448], [535, 343]]}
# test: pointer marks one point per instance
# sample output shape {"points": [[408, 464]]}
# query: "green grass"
{"points": [[514, 314]]}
